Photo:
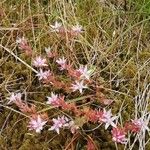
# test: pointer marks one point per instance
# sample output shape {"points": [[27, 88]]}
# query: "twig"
{"points": [[18, 58]]}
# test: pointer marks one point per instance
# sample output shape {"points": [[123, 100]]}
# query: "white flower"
{"points": [[14, 97], [56, 26], [20, 40], [39, 62], [78, 86], [85, 73], [53, 100], [47, 49], [62, 63], [108, 119], [36, 124], [43, 74], [58, 123], [77, 28]]}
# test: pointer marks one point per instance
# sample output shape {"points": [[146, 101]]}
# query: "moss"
{"points": [[144, 55], [130, 70], [27, 145], [118, 61], [3, 143]]}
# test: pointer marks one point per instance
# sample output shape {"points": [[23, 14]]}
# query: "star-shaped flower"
{"points": [[78, 86], [108, 119], [142, 123], [56, 27], [47, 49], [58, 123], [21, 40], [14, 97], [53, 100], [85, 73], [36, 124], [43, 74], [39, 62], [62, 62], [77, 28]]}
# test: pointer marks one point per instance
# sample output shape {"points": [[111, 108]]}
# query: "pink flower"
{"points": [[50, 53], [85, 73], [108, 119], [118, 135], [141, 124], [23, 44], [39, 62], [138, 122], [138, 125], [58, 123], [78, 86], [56, 27], [14, 97], [62, 63], [77, 28], [36, 124], [53, 100], [43, 74]]}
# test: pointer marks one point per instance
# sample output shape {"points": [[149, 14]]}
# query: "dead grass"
{"points": [[115, 41]]}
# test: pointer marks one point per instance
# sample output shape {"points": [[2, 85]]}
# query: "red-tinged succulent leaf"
{"points": [[91, 144]]}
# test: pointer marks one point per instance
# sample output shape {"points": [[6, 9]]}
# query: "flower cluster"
{"points": [[137, 125], [37, 121], [77, 80], [80, 76], [72, 32], [63, 122]]}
